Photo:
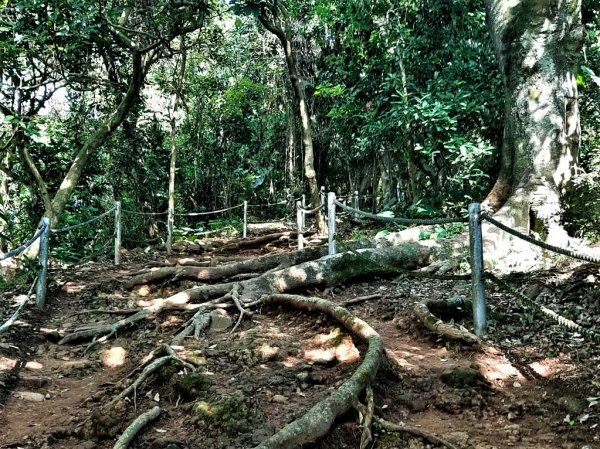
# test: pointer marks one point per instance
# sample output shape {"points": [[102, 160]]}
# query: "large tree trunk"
{"points": [[536, 44], [277, 22]]}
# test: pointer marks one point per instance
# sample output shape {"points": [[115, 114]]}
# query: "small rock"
{"points": [[30, 396], [279, 398], [302, 376], [88, 445], [511, 416], [219, 321], [33, 366]]}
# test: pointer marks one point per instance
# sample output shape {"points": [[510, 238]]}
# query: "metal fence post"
{"points": [[476, 252], [322, 195], [300, 224], [40, 297], [355, 203], [245, 230], [331, 222], [117, 232]]}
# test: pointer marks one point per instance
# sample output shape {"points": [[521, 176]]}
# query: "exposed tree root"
{"points": [[148, 370], [195, 325], [211, 274], [134, 428], [392, 427], [257, 241], [361, 299], [105, 311], [453, 332], [235, 296], [366, 415], [326, 271], [319, 419]]}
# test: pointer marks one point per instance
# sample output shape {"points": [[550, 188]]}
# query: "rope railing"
{"points": [[19, 250], [310, 211], [329, 203], [22, 302], [280, 203], [84, 223], [149, 214], [401, 220], [562, 321], [200, 214], [544, 245]]}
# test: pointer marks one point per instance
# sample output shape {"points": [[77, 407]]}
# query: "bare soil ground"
{"points": [[537, 393]]}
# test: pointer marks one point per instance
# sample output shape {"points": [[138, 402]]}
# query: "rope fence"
{"points": [[19, 250], [85, 223], [330, 202], [544, 245]]}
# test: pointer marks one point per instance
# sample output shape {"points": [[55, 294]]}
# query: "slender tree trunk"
{"points": [[536, 44], [97, 139], [177, 102], [277, 22]]}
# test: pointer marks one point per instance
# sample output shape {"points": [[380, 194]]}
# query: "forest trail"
{"points": [[282, 361]]}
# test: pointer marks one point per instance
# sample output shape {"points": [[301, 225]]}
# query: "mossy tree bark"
{"points": [[537, 45]]}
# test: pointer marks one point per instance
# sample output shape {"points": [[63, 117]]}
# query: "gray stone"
{"points": [[279, 398], [30, 396], [302, 376], [219, 321]]}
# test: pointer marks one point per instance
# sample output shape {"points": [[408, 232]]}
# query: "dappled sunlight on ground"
{"points": [[498, 370], [549, 368], [73, 287], [7, 364], [113, 357]]}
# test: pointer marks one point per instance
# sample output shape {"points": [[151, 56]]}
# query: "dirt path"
{"points": [[279, 363]]}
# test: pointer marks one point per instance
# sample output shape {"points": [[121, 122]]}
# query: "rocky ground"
{"points": [[541, 390]]}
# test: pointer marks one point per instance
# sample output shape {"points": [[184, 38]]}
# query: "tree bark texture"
{"points": [[98, 137], [536, 44], [276, 20]]}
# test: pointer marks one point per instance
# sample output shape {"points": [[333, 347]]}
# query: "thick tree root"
{"points": [[436, 325], [257, 241], [134, 428], [212, 274], [319, 419], [391, 427], [326, 271]]}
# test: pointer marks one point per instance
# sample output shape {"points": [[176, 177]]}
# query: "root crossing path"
{"points": [[270, 348]]}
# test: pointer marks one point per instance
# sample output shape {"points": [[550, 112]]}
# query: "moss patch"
{"points": [[230, 415]]}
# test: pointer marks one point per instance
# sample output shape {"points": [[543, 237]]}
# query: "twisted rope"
{"points": [[311, 211], [197, 214], [268, 204], [565, 322], [22, 303], [15, 252], [414, 221], [85, 223], [132, 212], [556, 249]]}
